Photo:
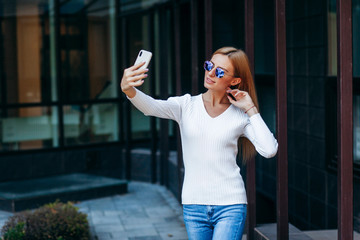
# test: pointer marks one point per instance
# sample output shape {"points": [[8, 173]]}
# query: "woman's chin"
{"points": [[207, 85]]}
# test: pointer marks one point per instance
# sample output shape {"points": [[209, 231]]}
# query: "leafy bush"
{"points": [[15, 233], [55, 221]]}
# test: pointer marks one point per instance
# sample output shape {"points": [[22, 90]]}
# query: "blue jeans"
{"points": [[204, 222]]}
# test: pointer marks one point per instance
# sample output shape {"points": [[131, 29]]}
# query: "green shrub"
{"points": [[15, 233], [55, 221]]}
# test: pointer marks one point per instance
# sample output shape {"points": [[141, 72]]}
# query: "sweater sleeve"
{"points": [[169, 109], [261, 137]]}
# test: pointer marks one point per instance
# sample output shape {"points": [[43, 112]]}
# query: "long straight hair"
{"points": [[241, 66]]}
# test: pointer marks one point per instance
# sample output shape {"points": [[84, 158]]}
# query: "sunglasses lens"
{"points": [[208, 65], [219, 73]]}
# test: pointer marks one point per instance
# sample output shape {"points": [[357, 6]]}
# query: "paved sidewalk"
{"points": [[147, 212]]}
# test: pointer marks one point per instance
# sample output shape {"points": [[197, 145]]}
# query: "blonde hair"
{"points": [[241, 66]]}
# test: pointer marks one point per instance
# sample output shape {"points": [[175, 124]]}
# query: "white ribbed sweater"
{"points": [[209, 146]]}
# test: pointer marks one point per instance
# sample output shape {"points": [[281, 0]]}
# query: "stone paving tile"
{"points": [[147, 212], [104, 236], [328, 234], [146, 238], [173, 235], [108, 228], [143, 232]]}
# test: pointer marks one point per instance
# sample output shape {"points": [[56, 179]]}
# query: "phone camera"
{"points": [[140, 53]]}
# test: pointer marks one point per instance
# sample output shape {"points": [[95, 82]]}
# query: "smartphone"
{"points": [[230, 95], [143, 56]]}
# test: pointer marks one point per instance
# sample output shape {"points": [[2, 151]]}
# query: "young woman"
{"points": [[212, 126]]}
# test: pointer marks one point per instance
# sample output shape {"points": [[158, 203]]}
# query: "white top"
{"points": [[209, 146]]}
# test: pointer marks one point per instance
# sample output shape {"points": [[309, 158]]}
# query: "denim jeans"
{"points": [[206, 222]]}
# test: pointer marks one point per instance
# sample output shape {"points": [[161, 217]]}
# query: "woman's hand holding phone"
{"points": [[133, 77]]}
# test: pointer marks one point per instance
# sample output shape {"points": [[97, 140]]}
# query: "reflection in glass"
{"points": [[90, 123], [140, 124], [357, 129], [138, 38], [87, 49], [129, 5], [29, 128], [24, 45]]}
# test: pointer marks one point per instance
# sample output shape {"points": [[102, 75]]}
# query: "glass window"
{"points": [[357, 129], [29, 128], [138, 38], [140, 124], [25, 52], [332, 39], [128, 5], [228, 28], [90, 123], [88, 49], [264, 37]]}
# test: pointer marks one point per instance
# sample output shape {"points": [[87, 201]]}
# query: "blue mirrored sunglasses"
{"points": [[208, 66], [219, 72]]}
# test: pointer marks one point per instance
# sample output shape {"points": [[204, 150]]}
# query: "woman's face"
{"points": [[220, 84]]}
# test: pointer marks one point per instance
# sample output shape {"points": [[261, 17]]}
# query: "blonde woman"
{"points": [[213, 126]]}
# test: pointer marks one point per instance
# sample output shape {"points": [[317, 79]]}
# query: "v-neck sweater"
{"points": [[210, 146]]}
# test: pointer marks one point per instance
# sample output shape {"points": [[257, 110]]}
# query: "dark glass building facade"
{"points": [[62, 111]]}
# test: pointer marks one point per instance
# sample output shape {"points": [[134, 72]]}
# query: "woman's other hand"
{"points": [[133, 77], [243, 101]]}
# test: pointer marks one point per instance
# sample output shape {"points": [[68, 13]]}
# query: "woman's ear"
{"points": [[236, 81]]}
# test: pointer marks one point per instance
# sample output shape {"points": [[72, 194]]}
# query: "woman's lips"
{"points": [[208, 80]]}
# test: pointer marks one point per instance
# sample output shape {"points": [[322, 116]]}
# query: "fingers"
{"points": [[237, 93], [136, 78], [129, 72], [137, 66], [137, 83]]}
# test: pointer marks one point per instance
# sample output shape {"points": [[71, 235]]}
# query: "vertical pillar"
{"points": [[208, 29], [281, 122], [345, 120], [113, 12], [126, 104], [251, 166], [56, 66], [153, 129], [194, 47], [178, 90], [164, 123]]}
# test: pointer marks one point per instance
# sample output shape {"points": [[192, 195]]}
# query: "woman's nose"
{"points": [[212, 72]]}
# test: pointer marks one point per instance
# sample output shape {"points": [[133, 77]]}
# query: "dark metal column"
{"points": [[154, 139], [164, 123], [194, 47], [208, 29], [127, 105], [345, 120], [59, 75], [250, 166], [281, 122], [3, 85], [121, 97], [178, 91]]}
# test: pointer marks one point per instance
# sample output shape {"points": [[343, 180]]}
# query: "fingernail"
{"points": [[145, 75], [146, 69]]}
